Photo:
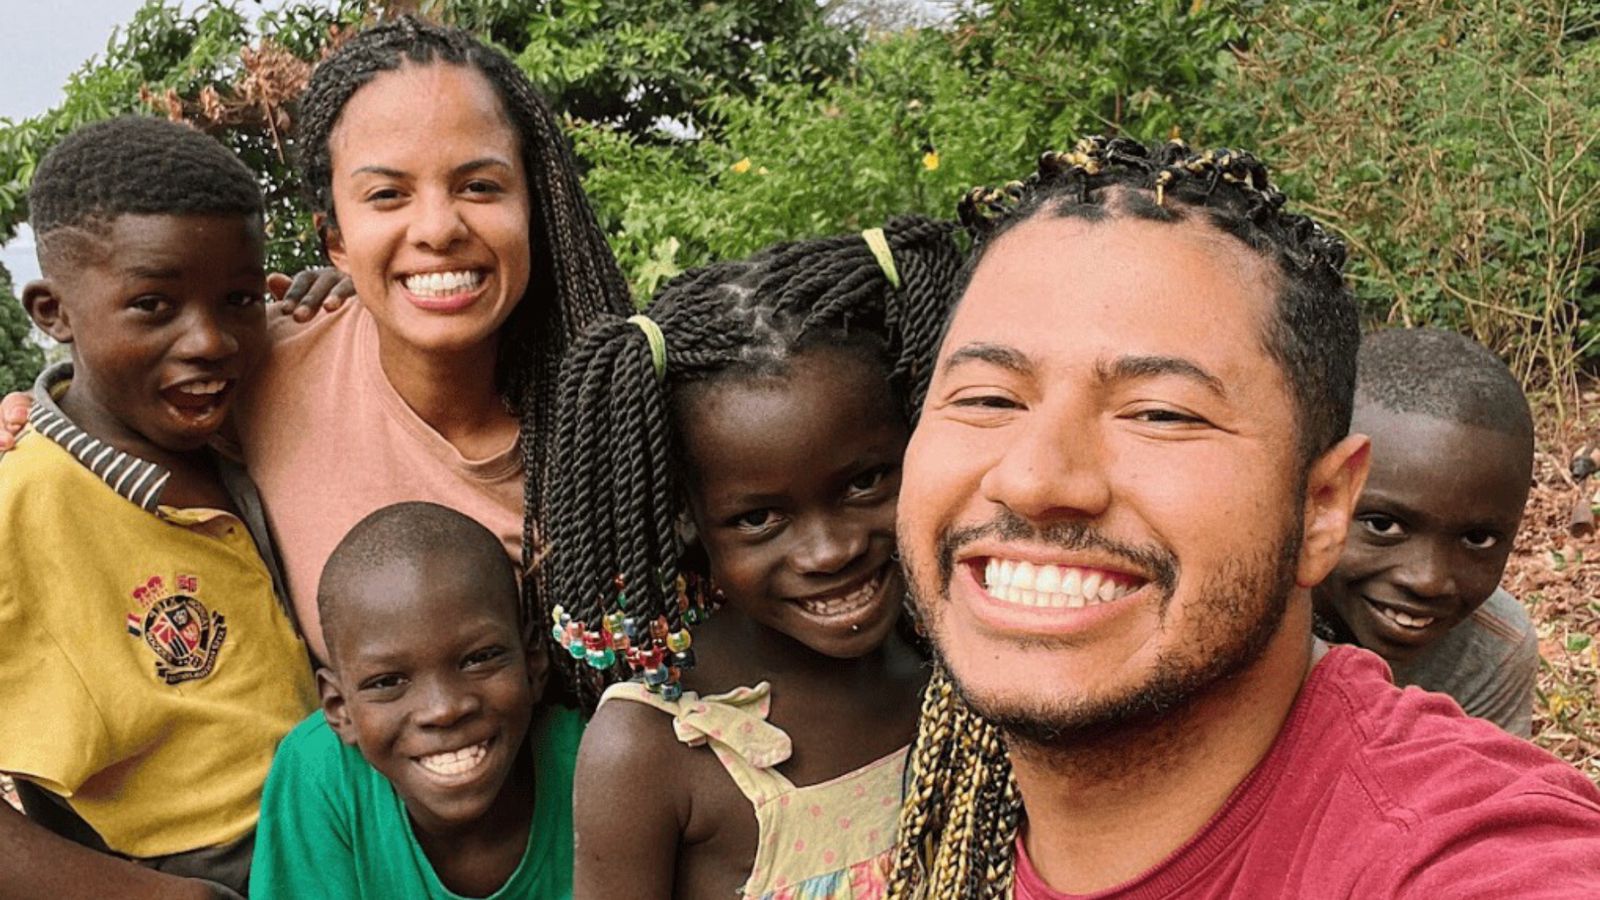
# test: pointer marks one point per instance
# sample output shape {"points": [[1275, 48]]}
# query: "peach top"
{"points": [[328, 440]]}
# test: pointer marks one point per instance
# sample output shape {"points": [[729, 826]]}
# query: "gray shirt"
{"points": [[1487, 663]]}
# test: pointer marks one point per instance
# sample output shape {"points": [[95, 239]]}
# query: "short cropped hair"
{"points": [[1427, 371], [136, 165], [411, 531]]}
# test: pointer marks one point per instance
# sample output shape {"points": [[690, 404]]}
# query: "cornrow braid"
{"points": [[962, 812], [1315, 332], [575, 280], [621, 599]]}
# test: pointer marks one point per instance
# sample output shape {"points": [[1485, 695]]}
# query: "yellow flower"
{"points": [[930, 160], [762, 170], [742, 166]]}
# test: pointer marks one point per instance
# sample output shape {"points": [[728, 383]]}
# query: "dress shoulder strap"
{"points": [[733, 725]]}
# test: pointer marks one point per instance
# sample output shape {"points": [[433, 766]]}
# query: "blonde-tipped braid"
{"points": [[959, 824]]}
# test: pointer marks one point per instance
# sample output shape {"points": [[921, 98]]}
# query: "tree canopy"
{"points": [[1451, 143]]}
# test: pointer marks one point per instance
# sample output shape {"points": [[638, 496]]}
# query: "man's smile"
{"points": [[1057, 586]]}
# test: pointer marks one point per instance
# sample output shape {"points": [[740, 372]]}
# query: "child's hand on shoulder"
{"points": [[13, 415], [310, 291]]}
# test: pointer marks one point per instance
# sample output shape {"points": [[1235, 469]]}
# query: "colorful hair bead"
{"points": [[683, 659], [597, 647], [634, 629], [679, 641]]}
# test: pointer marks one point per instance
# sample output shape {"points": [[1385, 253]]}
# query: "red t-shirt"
{"points": [[1373, 791]]}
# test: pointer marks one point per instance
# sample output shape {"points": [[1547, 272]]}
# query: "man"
{"points": [[1130, 470]]}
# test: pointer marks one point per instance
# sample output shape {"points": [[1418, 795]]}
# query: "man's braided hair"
{"points": [[962, 812], [617, 603], [574, 279]]}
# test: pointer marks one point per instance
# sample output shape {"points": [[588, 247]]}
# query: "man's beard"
{"points": [[1233, 616]]}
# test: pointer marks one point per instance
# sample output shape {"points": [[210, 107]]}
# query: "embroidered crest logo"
{"points": [[176, 625]]}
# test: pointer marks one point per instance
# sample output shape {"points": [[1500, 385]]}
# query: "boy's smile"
{"points": [[164, 314], [431, 681], [1432, 530]]}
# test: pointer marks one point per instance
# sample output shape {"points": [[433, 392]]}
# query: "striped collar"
{"points": [[137, 480]]}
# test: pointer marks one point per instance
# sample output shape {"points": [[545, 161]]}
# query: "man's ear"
{"points": [[42, 299], [1333, 485], [334, 708]]}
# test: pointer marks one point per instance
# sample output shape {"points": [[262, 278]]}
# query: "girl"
{"points": [[740, 447]]}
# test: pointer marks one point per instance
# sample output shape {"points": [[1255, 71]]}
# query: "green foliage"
{"points": [[924, 115], [1453, 145], [632, 63], [20, 358], [168, 61]]}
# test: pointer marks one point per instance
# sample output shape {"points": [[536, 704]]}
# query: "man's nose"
{"points": [[1052, 469]]}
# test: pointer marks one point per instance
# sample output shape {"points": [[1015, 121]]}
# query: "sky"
{"points": [[41, 44]]}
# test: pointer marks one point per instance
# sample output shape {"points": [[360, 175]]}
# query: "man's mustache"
{"points": [[1154, 562]]}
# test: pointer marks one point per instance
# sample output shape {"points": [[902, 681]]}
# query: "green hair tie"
{"points": [[880, 250], [658, 343]]}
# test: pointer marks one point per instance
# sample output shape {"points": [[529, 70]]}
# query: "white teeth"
{"points": [[442, 284], [1406, 619], [1022, 577], [843, 604], [1070, 584], [1035, 584], [1091, 587], [455, 762], [201, 388], [1048, 580]]}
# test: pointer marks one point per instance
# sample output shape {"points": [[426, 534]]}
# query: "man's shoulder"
{"points": [[1420, 757]]}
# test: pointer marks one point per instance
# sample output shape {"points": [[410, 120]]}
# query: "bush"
{"points": [[1452, 144]]}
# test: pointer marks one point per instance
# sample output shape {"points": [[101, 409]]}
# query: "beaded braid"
{"points": [[626, 599], [574, 280], [962, 812]]}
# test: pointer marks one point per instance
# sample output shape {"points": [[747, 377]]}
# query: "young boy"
{"points": [[431, 771], [1452, 458], [150, 666]]}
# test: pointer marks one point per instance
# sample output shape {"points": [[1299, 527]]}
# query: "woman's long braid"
{"points": [[574, 280], [959, 825], [619, 600]]}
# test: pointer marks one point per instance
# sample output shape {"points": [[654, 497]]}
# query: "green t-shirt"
{"points": [[331, 826]]}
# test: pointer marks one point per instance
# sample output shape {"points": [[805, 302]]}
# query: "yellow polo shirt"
{"points": [[147, 666]]}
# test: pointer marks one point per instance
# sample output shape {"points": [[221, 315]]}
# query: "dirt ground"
{"points": [[1557, 575]]}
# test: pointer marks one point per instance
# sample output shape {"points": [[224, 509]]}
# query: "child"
{"points": [[150, 665], [421, 777], [746, 434], [1452, 458]]}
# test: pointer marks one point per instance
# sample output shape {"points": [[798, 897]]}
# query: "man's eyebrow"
{"points": [[1008, 358], [1129, 368]]}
